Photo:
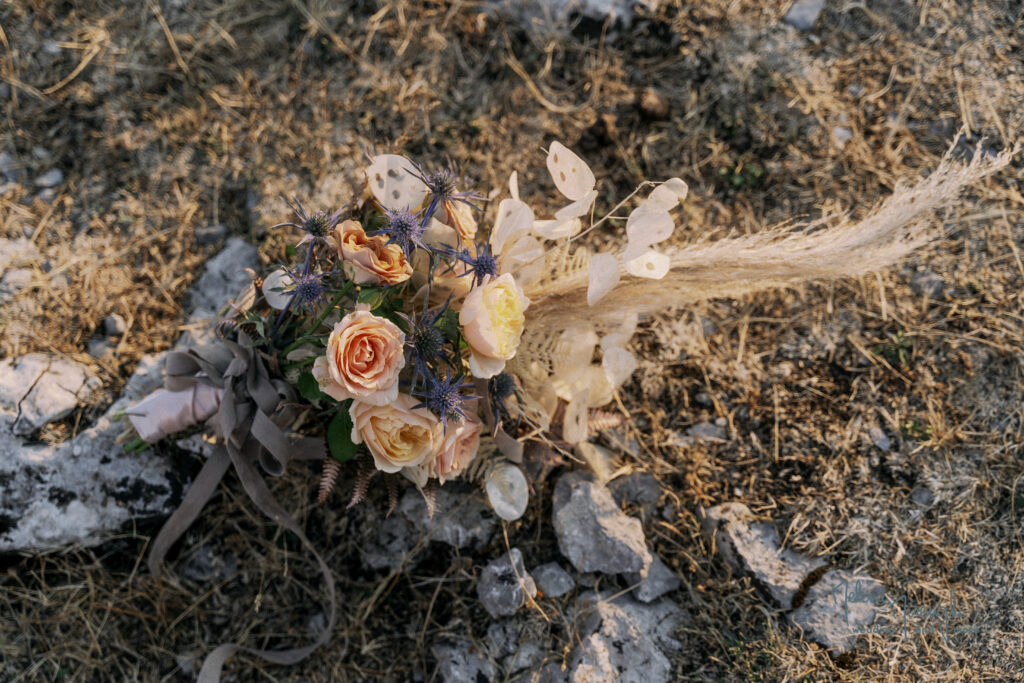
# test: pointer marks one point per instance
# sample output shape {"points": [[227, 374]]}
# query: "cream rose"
{"points": [[369, 260], [397, 436], [364, 357], [492, 322]]}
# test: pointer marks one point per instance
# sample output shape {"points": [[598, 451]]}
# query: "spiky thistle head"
{"points": [[307, 288], [444, 397], [315, 225], [403, 227], [482, 264], [499, 389]]}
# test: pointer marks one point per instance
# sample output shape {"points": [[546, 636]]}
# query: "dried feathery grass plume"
{"points": [[780, 256]]}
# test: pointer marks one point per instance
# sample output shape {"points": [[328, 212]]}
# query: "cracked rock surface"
{"points": [[87, 488]]}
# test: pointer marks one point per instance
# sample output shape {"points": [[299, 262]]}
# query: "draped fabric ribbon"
{"points": [[249, 425]]}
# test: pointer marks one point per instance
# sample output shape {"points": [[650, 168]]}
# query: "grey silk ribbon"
{"points": [[248, 426]]}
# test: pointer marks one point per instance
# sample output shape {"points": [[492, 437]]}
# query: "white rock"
{"points": [[803, 13], [505, 586], [51, 178], [552, 580], [461, 518], [85, 490], [658, 580], [39, 388], [838, 607]]}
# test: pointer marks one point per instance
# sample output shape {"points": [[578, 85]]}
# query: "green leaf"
{"points": [[291, 251], [372, 296], [309, 387], [449, 326], [339, 435]]}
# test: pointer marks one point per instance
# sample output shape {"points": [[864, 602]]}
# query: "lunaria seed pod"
{"points": [[507, 490]]}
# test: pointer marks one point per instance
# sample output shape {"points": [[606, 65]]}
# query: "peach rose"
{"points": [[492, 322], [364, 357], [459, 446], [369, 260], [459, 215], [397, 436]]}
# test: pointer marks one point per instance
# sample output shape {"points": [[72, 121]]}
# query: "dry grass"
{"points": [[167, 121]]}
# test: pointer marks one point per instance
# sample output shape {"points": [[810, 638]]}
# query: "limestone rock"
{"points": [[461, 662], [658, 580], [803, 13], [86, 489], [39, 388], [752, 548], [593, 533], [838, 607], [504, 585], [625, 641], [462, 519], [552, 580]]}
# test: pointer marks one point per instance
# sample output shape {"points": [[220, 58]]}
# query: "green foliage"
{"points": [[896, 351], [309, 388], [339, 435]]}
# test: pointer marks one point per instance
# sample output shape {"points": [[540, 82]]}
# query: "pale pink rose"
{"points": [[492, 319], [397, 436], [369, 260], [459, 446], [364, 357]]}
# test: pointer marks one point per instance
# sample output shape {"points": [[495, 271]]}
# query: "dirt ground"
{"points": [[166, 119]]}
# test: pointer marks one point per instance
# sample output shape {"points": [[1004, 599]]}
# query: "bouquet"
{"points": [[429, 338]]}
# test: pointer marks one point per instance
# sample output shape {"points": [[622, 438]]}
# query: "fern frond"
{"points": [[392, 494], [363, 476], [328, 479], [600, 420]]}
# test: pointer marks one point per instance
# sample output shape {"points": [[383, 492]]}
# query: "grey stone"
{"points": [[222, 281], [51, 178], [389, 545], [658, 580], [639, 487], [552, 580], [838, 607], [99, 348], [879, 438], [14, 281], [461, 518], [211, 234], [625, 641], [708, 432], [9, 169], [114, 325], [39, 388], [752, 548], [928, 284], [86, 489], [593, 533], [19, 252], [923, 496], [47, 195], [803, 13], [842, 135], [204, 565], [556, 16], [505, 586], [462, 662], [51, 47]]}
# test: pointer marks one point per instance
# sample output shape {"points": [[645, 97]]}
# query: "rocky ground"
{"points": [[816, 484]]}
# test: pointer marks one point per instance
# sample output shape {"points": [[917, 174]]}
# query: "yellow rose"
{"points": [[492, 322], [397, 436], [364, 356], [369, 260]]}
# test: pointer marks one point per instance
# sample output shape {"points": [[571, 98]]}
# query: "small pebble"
{"points": [[114, 325], [51, 178]]}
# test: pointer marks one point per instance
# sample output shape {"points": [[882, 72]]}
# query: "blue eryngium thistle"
{"points": [[403, 228], [499, 389], [481, 265], [442, 187], [307, 289], [315, 225], [426, 343], [444, 397]]}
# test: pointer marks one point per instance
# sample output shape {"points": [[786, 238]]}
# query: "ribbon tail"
{"points": [[198, 494], [257, 490]]}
